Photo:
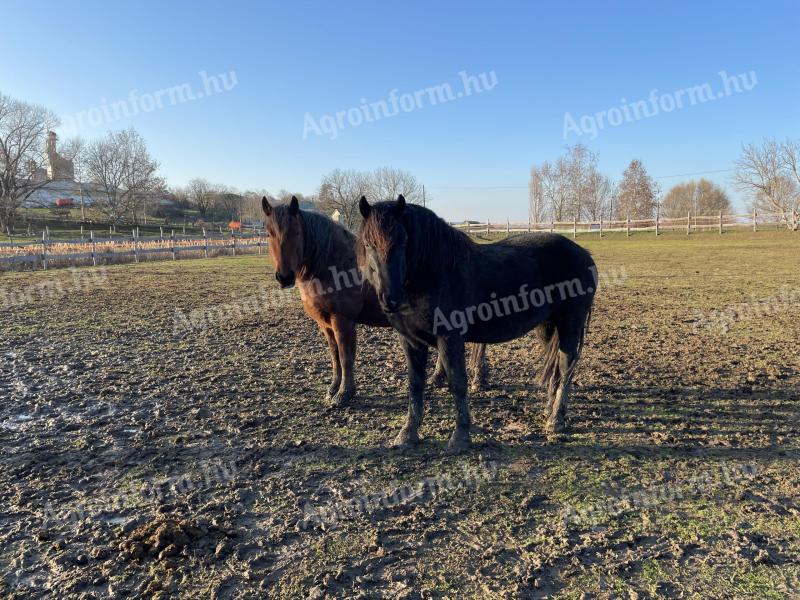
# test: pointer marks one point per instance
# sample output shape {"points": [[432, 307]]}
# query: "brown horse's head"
{"points": [[285, 239], [383, 239]]}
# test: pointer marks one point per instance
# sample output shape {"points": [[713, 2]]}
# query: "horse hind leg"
{"points": [[559, 398], [561, 358], [478, 367], [439, 377]]}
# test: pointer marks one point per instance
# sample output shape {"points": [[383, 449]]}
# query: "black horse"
{"points": [[439, 288]]}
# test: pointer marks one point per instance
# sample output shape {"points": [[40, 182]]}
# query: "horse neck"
{"points": [[311, 263]]}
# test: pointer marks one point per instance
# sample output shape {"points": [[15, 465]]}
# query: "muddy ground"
{"points": [[137, 460]]}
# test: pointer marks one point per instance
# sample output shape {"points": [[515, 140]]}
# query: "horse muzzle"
{"points": [[390, 304], [285, 280]]}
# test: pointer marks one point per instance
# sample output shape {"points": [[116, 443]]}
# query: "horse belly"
{"points": [[503, 329]]}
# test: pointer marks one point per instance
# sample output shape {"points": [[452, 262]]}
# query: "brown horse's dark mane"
{"points": [[324, 241], [433, 245]]}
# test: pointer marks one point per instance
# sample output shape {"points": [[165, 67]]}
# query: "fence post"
{"points": [[575, 226], [488, 227], [233, 237], [627, 226], [529, 224], [755, 219], [720, 222], [688, 221], [552, 225], [508, 227], [44, 250], [81, 231], [135, 247], [205, 242], [172, 244], [94, 253], [161, 234], [656, 222], [601, 226]]}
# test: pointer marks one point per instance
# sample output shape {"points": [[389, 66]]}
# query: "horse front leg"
{"points": [[451, 349], [417, 360], [336, 366], [345, 332]]}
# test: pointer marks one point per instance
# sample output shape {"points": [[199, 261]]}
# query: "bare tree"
{"points": [[229, 202], [74, 150], [637, 193], [23, 135], [341, 190], [790, 156], [202, 194], [599, 193], [768, 173], [387, 183], [570, 188], [537, 201], [697, 197], [121, 167]]}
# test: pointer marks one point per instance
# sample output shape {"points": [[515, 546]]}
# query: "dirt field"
{"points": [[141, 461]]}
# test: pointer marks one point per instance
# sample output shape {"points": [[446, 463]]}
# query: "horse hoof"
{"points": [[406, 439], [341, 398], [478, 385], [555, 428], [459, 442], [438, 380]]}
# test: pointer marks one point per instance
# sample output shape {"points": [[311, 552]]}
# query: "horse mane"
{"points": [[433, 245], [324, 241]]}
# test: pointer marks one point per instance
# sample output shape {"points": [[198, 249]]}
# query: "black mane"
{"points": [[433, 245]]}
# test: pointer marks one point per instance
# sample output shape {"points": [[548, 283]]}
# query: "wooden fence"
{"points": [[93, 250], [690, 223]]}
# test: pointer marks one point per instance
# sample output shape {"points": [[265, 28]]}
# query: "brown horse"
{"points": [[318, 255]]}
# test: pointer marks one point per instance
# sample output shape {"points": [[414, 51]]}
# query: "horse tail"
{"points": [[585, 329], [550, 374]]}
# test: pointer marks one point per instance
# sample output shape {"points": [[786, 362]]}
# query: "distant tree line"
{"points": [[572, 187]]}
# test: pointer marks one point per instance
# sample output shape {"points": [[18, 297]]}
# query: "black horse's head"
{"points": [[382, 252]]}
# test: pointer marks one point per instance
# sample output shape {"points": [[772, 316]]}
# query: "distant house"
{"points": [[336, 216]]}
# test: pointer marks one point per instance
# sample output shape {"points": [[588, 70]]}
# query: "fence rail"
{"points": [[689, 223], [47, 253]]}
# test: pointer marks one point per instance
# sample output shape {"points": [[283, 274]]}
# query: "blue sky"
{"points": [[473, 153]]}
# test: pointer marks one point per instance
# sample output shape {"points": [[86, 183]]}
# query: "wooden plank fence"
{"points": [[690, 223], [92, 250]]}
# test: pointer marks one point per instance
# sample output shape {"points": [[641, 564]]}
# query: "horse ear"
{"points": [[265, 206], [401, 204], [294, 206], [364, 207]]}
